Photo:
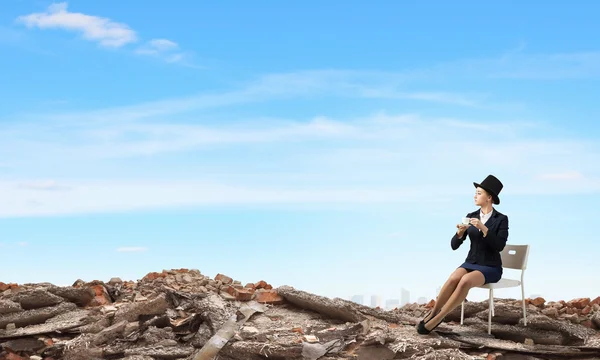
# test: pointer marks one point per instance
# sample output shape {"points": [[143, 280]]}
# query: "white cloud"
{"points": [[273, 87], [157, 46], [23, 243], [105, 31], [132, 249], [94, 28], [166, 50], [379, 159]]}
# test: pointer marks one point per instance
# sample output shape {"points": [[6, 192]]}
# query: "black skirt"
{"points": [[492, 274]]}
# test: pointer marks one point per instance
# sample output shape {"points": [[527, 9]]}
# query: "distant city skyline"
{"points": [[376, 300]]}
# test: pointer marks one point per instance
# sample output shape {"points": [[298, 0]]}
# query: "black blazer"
{"points": [[485, 250]]}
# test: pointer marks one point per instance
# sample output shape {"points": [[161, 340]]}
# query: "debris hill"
{"points": [[182, 314]]}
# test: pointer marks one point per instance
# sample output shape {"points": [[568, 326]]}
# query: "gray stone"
{"points": [[36, 299], [8, 307], [503, 314], [80, 296], [94, 327], [25, 344], [62, 323], [575, 334], [115, 281], [35, 316], [131, 312], [161, 352], [596, 320], [154, 335], [335, 308], [110, 333]]}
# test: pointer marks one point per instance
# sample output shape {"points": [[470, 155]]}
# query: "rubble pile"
{"points": [[183, 314], [582, 311]]}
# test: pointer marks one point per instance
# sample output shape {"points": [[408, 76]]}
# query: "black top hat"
{"points": [[493, 186]]}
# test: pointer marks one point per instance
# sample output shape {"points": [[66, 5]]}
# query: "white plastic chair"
{"points": [[513, 257]]}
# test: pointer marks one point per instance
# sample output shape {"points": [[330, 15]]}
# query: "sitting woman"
{"points": [[488, 231]]}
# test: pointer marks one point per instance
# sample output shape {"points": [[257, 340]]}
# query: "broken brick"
{"points": [[269, 297], [224, 279], [101, 296], [579, 303], [538, 301], [244, 294], [261, 284], [153, 276], [240, 294], [3, 286], [250, 286]]}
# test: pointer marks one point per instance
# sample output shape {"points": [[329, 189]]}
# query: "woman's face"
{"points": [[482, 197]]}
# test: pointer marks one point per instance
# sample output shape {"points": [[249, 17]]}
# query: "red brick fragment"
{"points": [[224, 279], [3, 286], [240, 294], [538, 301], [154, 275], [101, 296], [269, 297], [244, 294], [250, 286], [261, 284], [586, 310], [579, 303]]}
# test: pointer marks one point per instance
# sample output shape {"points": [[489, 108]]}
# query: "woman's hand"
{"points": [[461, 229], [478, 224]]}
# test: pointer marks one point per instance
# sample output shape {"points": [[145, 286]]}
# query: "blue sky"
{"points": [[331, 147]]}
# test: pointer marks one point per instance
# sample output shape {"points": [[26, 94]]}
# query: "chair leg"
{"points": [[493, 306], [524, 307], [462, 312], [490, 314]]}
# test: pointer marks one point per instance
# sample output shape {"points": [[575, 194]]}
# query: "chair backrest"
{"points": [[515, 256]]}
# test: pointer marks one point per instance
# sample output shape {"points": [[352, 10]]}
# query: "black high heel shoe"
{"points": [[425, 322], [421, 329]]}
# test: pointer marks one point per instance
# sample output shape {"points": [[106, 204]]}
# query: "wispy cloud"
{"points": [[166, 50], [518, 64], [377, 159], [157, 46], [132, 249], [302, 85], [94, 28], [107, 32]]}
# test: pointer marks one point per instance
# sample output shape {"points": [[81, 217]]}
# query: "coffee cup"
{"points": [[466, 221]]}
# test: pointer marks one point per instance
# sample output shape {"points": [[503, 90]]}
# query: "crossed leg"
{"points": [[446, 291], [466, 283]]}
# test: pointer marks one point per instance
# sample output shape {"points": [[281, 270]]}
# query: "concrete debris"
{"points": [[182, 314]]}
